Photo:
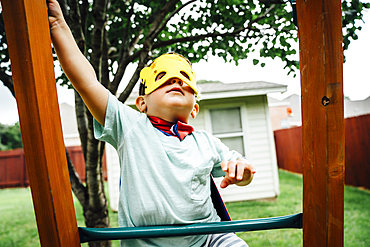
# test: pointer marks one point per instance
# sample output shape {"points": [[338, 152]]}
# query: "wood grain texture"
{"points": [[27, 30], [321, 65]]}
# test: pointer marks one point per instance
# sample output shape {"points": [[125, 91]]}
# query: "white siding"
{"points": [[72, 140], [113, 170], [69, 125], [198, 122], [259, 148]]}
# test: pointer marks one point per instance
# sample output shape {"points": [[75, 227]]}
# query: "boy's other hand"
{"points": [[239, 172]]}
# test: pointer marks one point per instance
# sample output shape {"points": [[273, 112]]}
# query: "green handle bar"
{"points": [[98, 234]]}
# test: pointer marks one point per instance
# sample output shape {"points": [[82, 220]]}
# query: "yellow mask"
{"points": [[174, 66]]}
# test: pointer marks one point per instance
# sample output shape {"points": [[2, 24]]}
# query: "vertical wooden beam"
{"points": [[28, 36], [321, 65]]}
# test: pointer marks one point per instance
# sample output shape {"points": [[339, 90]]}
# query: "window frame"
{"points": [[243, 117]]}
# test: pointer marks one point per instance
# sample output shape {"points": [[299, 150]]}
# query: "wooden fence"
{"points": [[288, 143], [13, 171]]}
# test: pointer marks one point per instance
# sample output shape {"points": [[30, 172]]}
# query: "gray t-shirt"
{"points": [[164, 181]]}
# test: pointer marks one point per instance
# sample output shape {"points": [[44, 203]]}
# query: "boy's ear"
{"points": [[195, 110], [140, 103]]}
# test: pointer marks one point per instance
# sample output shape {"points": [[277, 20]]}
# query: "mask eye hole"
{"points": [[160, 75], [185, 74]]}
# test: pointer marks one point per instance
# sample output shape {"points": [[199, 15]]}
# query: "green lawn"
{"points": [[18, 226]]}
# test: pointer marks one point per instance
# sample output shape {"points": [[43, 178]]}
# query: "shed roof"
{"points": [[239, 89], [225, 87], [215, 90]]}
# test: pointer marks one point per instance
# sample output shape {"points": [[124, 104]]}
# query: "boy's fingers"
{"points": [[231, 168], [236, 171], [224, 165], [241, 167], [224, 183], [251, 168]]}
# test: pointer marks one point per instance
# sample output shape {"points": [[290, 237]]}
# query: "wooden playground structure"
{"points": [[321, 68]]}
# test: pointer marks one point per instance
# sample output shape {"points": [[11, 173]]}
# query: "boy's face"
{"points": [[164, 68], [174, 100]]}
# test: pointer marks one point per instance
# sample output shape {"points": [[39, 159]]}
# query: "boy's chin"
{"points": [[178, 102], [178, 116]]}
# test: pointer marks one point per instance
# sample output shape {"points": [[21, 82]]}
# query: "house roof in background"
{"points": [[285, 101], [226, 87], [240, 89], [217, 90]]}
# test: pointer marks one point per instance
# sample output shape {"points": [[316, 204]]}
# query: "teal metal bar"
{"points": [[98, 234]]}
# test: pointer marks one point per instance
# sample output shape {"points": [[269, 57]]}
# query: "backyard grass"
{"points": [[18, 225]]}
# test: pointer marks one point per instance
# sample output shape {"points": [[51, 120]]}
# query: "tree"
{"points": [[113, 34], [10, 137]]}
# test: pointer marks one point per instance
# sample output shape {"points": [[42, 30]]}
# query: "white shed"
{"points": [[238, 114]]}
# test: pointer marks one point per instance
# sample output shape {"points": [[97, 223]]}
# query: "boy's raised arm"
{"points": [[77, 68]]}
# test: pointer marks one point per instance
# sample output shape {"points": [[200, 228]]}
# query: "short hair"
{"points": [[141, 89]]}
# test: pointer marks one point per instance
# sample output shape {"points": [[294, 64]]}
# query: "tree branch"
{"points": [[80, 109], [157, 21], [84, 7], [127, 30], [104, 63], [211, 35], [7, 80], [99, 21], [155, 32], [76, 24], [196, 38], [160, 29], [77, 186], [143, 59], [159, 17]]}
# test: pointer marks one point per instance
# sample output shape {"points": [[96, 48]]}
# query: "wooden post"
{"points": [[321, 65], [28, 36]]}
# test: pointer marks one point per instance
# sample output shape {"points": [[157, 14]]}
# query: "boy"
{"points": [[165, 165]]}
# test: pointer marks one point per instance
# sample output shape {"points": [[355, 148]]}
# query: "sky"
{"points": [[356, 75]]}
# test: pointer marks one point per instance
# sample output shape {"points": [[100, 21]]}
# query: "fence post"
{"points": [[28, 36], [321, 66]]}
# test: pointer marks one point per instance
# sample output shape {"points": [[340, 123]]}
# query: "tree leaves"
{"points": [[351, 17], [10, 137], [231, 29]]}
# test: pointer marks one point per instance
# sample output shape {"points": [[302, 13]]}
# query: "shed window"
{"points": [[227, 125], [226, 120]]}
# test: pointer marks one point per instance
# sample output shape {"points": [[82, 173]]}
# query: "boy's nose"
{"points": [[176, 80]]}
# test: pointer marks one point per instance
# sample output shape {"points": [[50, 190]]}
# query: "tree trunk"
{"points": [[76, 184], [7, 80], [80, 109], [93, 200], [96, 214]]}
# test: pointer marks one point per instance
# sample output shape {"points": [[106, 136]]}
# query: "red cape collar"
{"points": [[179, 129]]}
